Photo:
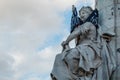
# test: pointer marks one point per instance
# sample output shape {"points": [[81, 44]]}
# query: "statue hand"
{"points": [[73, 7], [64, 43]]}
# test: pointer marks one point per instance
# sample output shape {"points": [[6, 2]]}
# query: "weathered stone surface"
{"points": [[97, 52]]}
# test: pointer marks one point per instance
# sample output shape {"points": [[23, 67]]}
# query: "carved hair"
{"points": [[87, 9]]}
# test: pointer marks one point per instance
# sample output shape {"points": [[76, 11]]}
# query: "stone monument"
{"points": [[95, 56]]}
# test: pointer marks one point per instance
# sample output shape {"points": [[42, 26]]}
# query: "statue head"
{"points": [[85, 12]]}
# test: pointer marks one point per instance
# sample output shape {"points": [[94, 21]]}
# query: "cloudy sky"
{"points": [[31, 32]]}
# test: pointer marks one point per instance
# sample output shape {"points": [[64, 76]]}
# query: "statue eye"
{"points": [[83, 13]]}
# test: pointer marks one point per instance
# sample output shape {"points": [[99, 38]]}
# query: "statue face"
{"points": [[84, 14]]}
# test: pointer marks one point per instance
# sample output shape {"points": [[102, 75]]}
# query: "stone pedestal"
{"points": [[109, 20]]}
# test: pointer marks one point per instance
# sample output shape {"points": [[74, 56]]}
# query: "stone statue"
{"points": [[92, 58]]}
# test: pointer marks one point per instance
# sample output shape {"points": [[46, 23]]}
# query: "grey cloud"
{"points": [[6, 67], [28, 23], [25, 25]]}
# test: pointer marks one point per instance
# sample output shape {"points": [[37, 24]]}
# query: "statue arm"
{"points": [[73, 35], [83, 29]]}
